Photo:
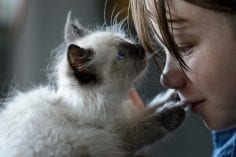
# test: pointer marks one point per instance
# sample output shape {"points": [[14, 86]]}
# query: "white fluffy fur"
{"points": [[84, 120], [42, 123], [64, 122]]}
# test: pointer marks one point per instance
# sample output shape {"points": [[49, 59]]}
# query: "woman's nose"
{"points": [[173, 75]]}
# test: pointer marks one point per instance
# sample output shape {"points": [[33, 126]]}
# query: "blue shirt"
{"points": [[224, 143]]}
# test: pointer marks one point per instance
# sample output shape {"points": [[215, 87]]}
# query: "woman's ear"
{"points": [[73, 29]]}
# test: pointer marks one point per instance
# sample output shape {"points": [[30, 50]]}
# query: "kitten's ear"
{"points": [[78, 57], [73, 29]]}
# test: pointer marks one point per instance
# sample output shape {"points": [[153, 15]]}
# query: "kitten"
{"points": [[88, 114]]}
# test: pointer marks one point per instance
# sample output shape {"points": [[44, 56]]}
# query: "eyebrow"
{"points": [[171, 18], [178, 23], [179, 20]]}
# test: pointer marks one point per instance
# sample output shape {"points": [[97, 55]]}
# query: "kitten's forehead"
{"points": [[100, 40]]}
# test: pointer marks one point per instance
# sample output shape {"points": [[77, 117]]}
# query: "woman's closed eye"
{"points": [[185, 49]]}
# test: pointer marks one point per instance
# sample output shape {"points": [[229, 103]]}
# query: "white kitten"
{"points": [[88, 113]]}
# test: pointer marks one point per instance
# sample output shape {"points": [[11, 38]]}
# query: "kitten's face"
{"points": [[102, 57]]}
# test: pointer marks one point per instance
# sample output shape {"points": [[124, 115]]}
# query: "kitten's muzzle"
{"points": [[138, 52]]}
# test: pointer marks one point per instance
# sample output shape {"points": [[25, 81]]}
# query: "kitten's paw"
{"points": [[163, 97], [171, 111], [172, 117]]}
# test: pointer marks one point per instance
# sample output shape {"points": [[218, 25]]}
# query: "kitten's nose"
{"points": [[138, 51], [141, 51]]}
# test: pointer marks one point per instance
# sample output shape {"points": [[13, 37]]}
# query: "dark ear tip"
{"points": [[72, 46], [69, 15]]}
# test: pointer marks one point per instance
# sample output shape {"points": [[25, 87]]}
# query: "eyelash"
{"points": [[185, 49]]}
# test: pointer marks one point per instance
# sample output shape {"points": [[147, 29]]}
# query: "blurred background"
{"points": [[31, 29]]}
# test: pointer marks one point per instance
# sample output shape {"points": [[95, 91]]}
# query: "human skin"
{"points": [[208, 42]]}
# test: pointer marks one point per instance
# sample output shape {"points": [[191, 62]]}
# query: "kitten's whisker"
{"points": [[120, 25], [104, 13], [140, 65], [122, 21], [112, 13], [128, 16], [156, 51], [141, 61]]}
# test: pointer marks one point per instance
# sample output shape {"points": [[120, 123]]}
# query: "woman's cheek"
{"points": [[198, 72]]}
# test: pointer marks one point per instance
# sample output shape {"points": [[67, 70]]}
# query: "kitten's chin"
{"points": [[85, 77], [140, 67], [139, 73]]}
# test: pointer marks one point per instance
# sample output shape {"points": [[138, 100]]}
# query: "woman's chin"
{"points": [[217, 125]]}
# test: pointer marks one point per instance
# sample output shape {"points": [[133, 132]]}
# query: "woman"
{"points": [[199, 37]]}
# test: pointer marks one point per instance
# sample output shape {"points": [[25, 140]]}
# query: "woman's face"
{"points": [[207, 41]]}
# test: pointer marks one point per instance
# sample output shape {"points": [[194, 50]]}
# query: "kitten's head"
{"points": [[99, 58]]}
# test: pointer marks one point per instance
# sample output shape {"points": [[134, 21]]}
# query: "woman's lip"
{"points": [[193, 105]]}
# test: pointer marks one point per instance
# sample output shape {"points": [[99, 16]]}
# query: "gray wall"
{"points": [[26, 61], [43, 32]]}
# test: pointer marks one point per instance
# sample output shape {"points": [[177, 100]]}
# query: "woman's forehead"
{"points": [[171, 9], [180, 12]]}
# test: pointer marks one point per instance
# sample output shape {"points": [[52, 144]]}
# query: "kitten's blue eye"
{"points": [[120, 55]]}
